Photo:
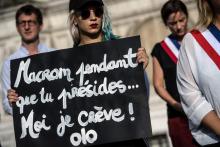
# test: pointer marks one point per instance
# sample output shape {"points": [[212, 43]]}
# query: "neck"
{"points": [[179, 38], [88, 39], [32, 48]]}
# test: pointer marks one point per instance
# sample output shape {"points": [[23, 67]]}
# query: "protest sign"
{"points": [[83, 96]]}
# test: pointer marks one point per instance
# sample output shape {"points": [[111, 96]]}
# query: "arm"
{"points": [[142, 57], [158, 82], [5, 83], [212, 121], [147, 84], [197, 108]]}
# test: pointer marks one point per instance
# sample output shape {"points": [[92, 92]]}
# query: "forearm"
{"points": [[6, 106], [158, 81], [164, 94], [212, 121]]}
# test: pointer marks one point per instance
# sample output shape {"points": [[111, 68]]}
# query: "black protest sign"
{"points": [[83, 96]]}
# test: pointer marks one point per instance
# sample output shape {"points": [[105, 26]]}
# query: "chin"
{"points": [[95, 31], [181, 34], [29, 40]]}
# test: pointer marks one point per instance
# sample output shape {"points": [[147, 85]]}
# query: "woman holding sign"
{"points": [[198, 75], [90, 23], [165, 54]]}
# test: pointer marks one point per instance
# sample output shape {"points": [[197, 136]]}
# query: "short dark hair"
{"points": [[28, 10], [172, 6]]}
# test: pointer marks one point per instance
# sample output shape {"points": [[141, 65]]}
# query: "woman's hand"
{"points": [[142, 57], [177, 106], [12, 96]]}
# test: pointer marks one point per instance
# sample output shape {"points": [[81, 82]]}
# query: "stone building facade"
{"points": [[129, 17]]}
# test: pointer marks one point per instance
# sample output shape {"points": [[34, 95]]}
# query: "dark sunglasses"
{"points": [[85, 13]]}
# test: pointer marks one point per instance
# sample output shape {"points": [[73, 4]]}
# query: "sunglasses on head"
{"points": [[85, 13]]}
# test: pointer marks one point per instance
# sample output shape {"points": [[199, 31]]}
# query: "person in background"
{"points": [[165, 55], [198, 75], [90, 23], [29, 23]]}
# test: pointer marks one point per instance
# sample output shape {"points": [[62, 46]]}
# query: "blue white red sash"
{"points": [[171, 47], [210, 42]]}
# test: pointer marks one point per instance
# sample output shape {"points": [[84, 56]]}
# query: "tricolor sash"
{"points": [[210, 42], [171, 47]]}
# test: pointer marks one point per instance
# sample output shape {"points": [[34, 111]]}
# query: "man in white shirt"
{"points": [[29, 23]]}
